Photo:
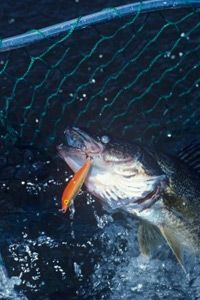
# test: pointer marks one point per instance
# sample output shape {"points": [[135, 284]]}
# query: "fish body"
{"points": [[74, 185], [161, 190]]}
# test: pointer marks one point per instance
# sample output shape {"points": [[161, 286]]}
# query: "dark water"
{"points": [[88, 253]]}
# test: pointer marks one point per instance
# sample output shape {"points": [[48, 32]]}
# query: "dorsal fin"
{"points": [[190, 154]]}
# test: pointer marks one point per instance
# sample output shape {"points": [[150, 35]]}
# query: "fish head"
{"points": [[122, 174], [78, 147]]}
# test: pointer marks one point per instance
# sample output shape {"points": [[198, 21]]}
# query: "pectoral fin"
{"points": [[148, 237], [173, 243]]}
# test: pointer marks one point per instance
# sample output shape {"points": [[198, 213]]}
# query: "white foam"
{"points": [[7, 284]]}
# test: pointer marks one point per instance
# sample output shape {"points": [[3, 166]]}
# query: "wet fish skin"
{"points": [[184, 185], [182, 198], [125, 176]]}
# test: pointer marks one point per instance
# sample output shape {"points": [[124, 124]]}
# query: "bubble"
{"points": [[92, 80], [105, 139], [167, 54], [11, 21]]}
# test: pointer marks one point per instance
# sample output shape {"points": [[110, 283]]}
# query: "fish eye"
{"points": [[105, 139]]}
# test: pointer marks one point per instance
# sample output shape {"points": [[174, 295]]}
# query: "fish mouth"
{"points": [[80, 141], [75, 138], [77, 147]]}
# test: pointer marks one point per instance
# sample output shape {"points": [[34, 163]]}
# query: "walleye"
{"points": [[74, 185], [161, 190]]}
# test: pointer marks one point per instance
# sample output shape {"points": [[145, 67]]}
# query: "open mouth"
{"points": [[76, 147], [75, 138], [80, 140]]}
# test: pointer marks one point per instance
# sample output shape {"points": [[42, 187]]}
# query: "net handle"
{"points": [[105, 15]]}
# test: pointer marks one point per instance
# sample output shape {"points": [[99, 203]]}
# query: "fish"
{"points": [[161, 190], [74, 185]]}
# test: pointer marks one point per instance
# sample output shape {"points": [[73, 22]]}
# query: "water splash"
{"points": [[7, 285], [122, 273]]}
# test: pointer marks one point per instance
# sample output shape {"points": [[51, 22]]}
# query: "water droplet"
{"points": [[105, 139], [11, 21], [77, 270], [168, 53], [72, 210]]}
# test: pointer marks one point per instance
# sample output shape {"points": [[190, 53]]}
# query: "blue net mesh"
{"points": [[137, 76]]}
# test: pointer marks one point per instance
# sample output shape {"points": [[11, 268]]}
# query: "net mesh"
{"points": [[137, 77]]}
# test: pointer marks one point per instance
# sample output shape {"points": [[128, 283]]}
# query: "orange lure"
{"points": [[74, 185]]}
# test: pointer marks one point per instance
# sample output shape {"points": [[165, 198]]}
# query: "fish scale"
{"points": [[163, 192]]}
